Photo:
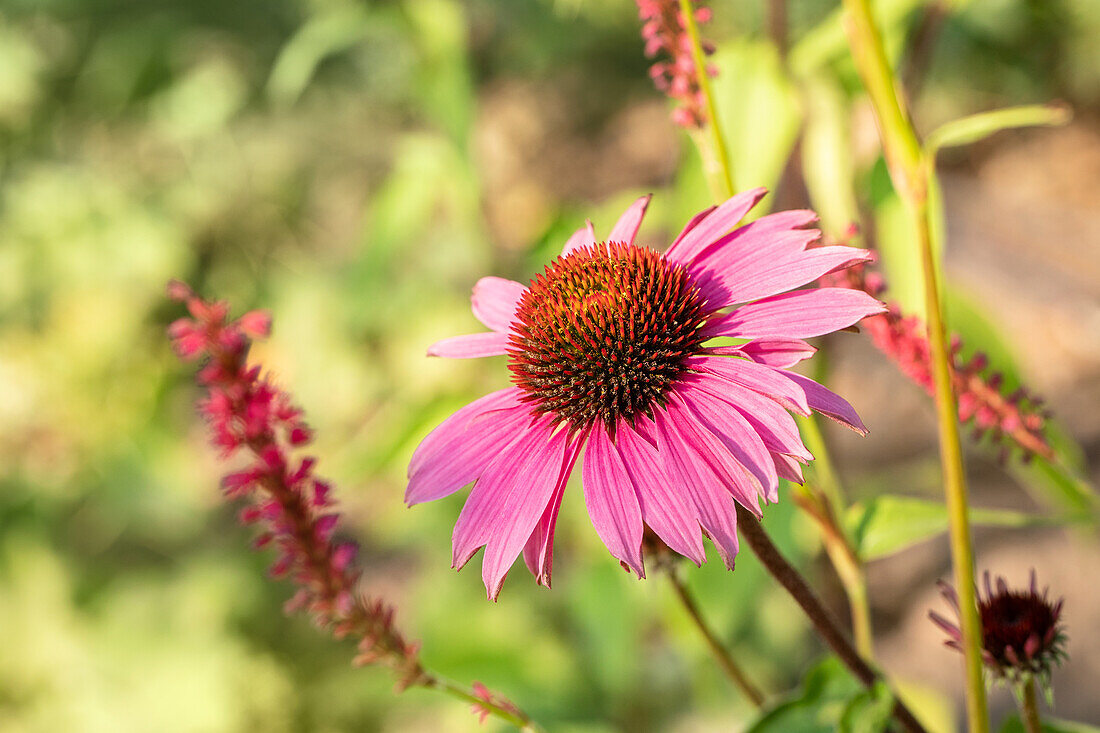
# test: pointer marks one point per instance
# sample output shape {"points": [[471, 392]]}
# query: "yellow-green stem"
{"points": [[838, 545], [911, 173], [1029, 708], [716, 137]]}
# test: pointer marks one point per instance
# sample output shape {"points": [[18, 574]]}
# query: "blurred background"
{"points": [[355, 167]]}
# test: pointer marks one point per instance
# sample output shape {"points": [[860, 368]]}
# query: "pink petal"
{"points": [[493, 343], [757, 377], [495, 300], [745, 275], [692, 224], [611, 500], [694, 465], [788, 468], [740, 439], [828, 403], [538, 553], [713, 226], [801, 314], [508, 500], [626, 228], [665, 509], [583, 237], [455, 453], [778, 353], [772, 423]]}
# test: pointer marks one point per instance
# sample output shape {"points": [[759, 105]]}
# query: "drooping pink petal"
{"points": [[473, 346], [494, 301], [788, 467], [626, 228], [741, 275], [713, 226], [757, 377], [611, 500], [737, 434], [456, 452], [453, 428], [583, 237], [694, 465], [801, 314], [772, 423], [665, 509], [828, 403], [538, 553], [778, 353], [508, 500]]}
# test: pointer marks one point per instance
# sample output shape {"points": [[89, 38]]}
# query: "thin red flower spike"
{"points": [[1014, 419], [280, 493], [663, 30]]}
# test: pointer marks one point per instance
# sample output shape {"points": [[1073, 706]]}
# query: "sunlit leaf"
{"points": [[973, 128], [887, 524]]}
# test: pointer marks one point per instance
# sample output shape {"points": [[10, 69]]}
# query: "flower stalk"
{"points": [[911, 171], [293, 508], [718, 141], [736, 675], [1029, 708], [822, 620]]}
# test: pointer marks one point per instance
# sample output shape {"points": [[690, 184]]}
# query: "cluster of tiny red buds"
{"points": [[292, 507], [1016, 419], [1022, 634], [663, 29]]}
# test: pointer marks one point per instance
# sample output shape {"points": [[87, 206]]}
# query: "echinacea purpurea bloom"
{"points": [[1022, 633], [610, 348]]}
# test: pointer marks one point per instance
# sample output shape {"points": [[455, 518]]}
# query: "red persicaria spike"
{"points": [[245, 410], [663, 29]]}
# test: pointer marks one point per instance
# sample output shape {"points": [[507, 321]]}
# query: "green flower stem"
{"points": [[514, 716], [717, 140], [824, 509], [911, 171], [729, 666], [1029, 708], [827, 628]]}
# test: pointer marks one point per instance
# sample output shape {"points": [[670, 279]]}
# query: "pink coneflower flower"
{"points": [[609, 347], [1022, 634]]}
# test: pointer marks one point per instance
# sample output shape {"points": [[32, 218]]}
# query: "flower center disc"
{"points": [[602, 332]]}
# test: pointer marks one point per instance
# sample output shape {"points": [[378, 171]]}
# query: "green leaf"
{"points": [[976, 127], [826, 695], [828, 161], [887, 524], [1015, 725], [869, 711], [321, 37], [759, 111]]}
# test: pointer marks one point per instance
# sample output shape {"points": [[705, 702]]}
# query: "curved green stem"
{"points": [[716, 137], [729, 666], [838, 545], [911, 172]]}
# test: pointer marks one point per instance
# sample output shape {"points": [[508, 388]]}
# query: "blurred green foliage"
{"points": [[318, 158]]}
